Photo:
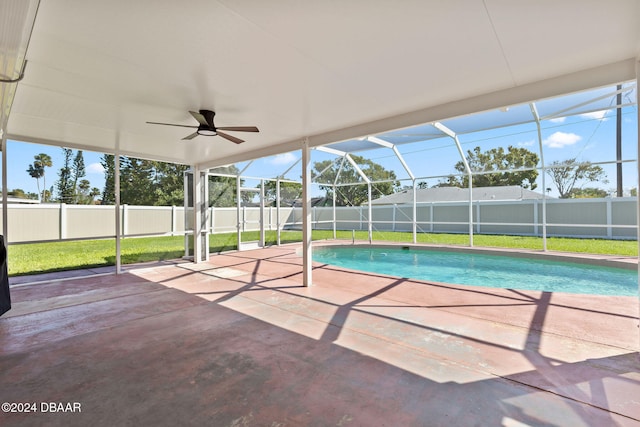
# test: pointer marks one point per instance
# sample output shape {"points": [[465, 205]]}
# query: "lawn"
{"points": [[36, 258]]}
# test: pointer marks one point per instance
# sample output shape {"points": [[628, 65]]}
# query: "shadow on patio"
{"points": [[237, 341]]}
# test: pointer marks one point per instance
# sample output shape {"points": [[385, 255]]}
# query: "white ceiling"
{"points": [[326, 70]]}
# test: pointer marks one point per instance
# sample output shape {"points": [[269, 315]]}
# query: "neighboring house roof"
{"points": [[456, 194], [20, 200]]}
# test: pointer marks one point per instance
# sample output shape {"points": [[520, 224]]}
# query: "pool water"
{"points": [[475, 269]]}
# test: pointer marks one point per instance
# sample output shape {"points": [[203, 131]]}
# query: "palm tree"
{"points": [[36, 170]]}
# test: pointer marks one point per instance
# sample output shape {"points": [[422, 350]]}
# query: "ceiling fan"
{"points": [[207, 128]]}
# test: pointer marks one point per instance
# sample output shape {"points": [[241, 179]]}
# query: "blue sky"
{"points": [[20, 155], [588, 137]]}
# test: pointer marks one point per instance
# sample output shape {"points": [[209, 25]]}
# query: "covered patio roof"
{"points": [[91, 76], [325, 71]]}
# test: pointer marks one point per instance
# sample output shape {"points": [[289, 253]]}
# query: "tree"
{"points": [[144, 182], [587, 193], [514, 167], [289, 191], [108, 193], [136, 182], [222, 189], [168, 183], [450, 181], [325, 172], [37, 171], [86, 195], [65, 185], [566, 174], [20, 194], [419, 185], [78, 171]]}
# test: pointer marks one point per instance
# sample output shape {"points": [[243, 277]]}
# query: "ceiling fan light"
{"points": [[206, 132]]}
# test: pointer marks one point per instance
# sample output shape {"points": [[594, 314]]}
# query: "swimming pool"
{"points": [[477, 269]]}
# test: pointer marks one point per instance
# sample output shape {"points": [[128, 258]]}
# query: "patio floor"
{"points": [[238, 341]]}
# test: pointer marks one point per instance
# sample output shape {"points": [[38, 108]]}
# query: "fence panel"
{"points": [[602, 218], [88, 221]]}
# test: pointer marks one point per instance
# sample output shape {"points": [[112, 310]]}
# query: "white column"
{"points": [[212, 224], [197, 215], [334, 213], [261, 242], [370, 220], [62, 223], [238, 203], [125, 220], [535, 217], [116, 190], [173, 220], [414, 213], [278, 211], [393, 217], [638, 185], [609, 218], [534, 111], [5, 214], [306, 215], [205, 212], [185, 188], [470, 208]]}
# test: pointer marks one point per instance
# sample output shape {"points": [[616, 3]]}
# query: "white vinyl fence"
{"points": [[612, 218]]}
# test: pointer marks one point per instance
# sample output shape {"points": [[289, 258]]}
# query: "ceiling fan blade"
{"points": [[230, 138], [193, 135], [172, 124], [200, 118], [241, 128]]}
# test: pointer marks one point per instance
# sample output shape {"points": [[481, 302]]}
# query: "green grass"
{"points": [[36, 258]]}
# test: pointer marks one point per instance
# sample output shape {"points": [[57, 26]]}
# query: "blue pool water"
{"points": [[475, 269]]}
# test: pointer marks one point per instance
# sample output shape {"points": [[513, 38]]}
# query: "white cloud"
{"points": [[561, 139], [526, 143], [284, 159], [95, 168], [598, 115], [558, 120]]}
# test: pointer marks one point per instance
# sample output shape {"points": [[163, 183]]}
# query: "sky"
{"points": [[20, 155], [587, 137]]}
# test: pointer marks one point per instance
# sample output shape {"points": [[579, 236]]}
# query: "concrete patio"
{"points": [[238, 341]]}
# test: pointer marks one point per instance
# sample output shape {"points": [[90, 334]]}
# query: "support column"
{"points": [[205, 212], [239, 223], [5, 214], [393, 217], [638, 185], [334, 213], [470, 206], [186, 190], [414, 213], [442, 128], [116, 190], [278, 211], [369, 212], [197, 215], [262, 237], [306, 215], [534, 111]]}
